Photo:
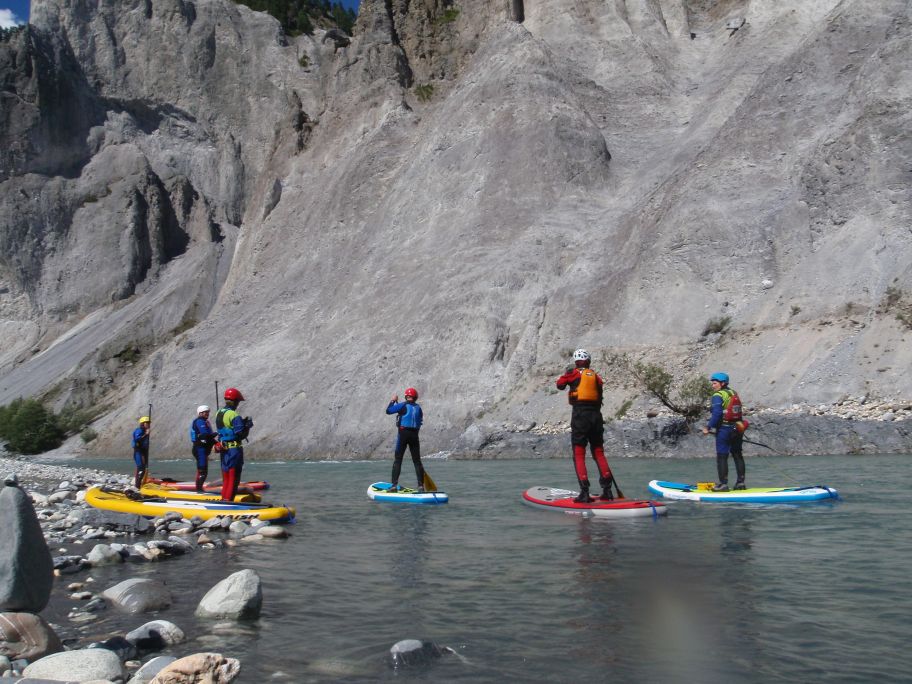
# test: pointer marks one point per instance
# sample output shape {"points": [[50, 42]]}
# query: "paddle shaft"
{"points": [[148, 446]]}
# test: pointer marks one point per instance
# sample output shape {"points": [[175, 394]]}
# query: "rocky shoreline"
{"points": [[45, 521]]}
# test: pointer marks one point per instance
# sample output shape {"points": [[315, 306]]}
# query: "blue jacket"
{"points": [[409, 414], [140, 440], [201, 432], [717, 409]]}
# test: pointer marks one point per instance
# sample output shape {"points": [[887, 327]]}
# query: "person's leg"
{"points": [[597, 444], [579, 437], [737, 452], [397, 462], [227, 474], [202, 467], [238, 469], [414, 445], [722, 450]]}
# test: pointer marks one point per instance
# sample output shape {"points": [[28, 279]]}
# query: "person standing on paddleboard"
{"points": [[232, 430], [202, 437], [409, 418], [141, 449], [586, 423], [727, 420]]}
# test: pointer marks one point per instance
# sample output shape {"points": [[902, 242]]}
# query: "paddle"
{"points": [[148, 446], [620, 493], [429, 484]]}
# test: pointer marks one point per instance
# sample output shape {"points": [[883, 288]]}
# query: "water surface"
{"points": [[710, 593]]}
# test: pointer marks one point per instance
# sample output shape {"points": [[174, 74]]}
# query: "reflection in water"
{"points": [[408, 529]]}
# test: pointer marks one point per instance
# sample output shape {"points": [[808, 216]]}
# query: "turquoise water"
{"points": [[710, 593]]}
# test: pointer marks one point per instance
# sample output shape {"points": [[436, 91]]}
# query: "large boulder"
{"points": [[81, 666], [28, 636], [212, 668], [26, 566], [238, 596], [139, 595]]}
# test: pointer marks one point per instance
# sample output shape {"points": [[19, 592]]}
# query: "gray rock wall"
{"points": [[455, 202]]}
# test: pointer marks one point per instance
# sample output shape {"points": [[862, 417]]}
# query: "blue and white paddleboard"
{"points": [[764, 495], [379, 491]]}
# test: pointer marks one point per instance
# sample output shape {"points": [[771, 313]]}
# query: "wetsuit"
{"points": [[232, 429], [728, 439], [409, 418], [587, 426], [202, 438], [140, 455]]}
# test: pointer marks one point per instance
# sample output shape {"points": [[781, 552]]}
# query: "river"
{"points": [[710, 593]]}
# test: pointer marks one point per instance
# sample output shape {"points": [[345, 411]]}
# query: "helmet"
{"points": [[720, 377], [231, 394], [201, 409], [144, 419], [581, 355], [411, 392]]}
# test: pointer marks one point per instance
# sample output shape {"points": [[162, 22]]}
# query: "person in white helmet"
{"points": [[586, 423], [203, 438]]}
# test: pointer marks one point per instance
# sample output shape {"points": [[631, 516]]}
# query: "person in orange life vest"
{"points": [[586, 423], [409, 418], [141, 450], [726, 419], [232, 430]]}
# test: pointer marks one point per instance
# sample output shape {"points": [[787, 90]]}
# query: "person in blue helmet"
{"points": [[202, 439], [409, 418], [141, 450], [727, 420]]}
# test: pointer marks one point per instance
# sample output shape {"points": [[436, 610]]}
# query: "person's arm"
{"points": [[715, 418], [395, 406], [241, 427], [567, 378]]}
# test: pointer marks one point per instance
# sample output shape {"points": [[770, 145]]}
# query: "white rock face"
{"points": [[605, 175]]}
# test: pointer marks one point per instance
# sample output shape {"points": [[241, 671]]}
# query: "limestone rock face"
{"points": [[455, 200], [26, 565]]}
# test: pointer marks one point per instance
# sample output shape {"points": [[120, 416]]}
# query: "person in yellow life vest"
{"points": [[727, 420], [232, 430], [586, 423]]}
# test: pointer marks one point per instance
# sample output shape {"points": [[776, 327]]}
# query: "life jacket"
{"points": [[195, 435], [410, 417], [223, 420], [731, 405], [587, 388]]}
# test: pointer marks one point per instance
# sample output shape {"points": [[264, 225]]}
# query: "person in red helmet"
{"points": [[409, 418], [586, 423], [232, 430]]}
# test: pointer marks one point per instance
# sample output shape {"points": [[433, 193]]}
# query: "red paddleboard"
{"points": [[256, 486], [554, 499]]}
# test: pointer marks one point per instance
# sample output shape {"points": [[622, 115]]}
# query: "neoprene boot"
{"points": [[720, 487], [740, 485], [584, 493], [606, 483]]}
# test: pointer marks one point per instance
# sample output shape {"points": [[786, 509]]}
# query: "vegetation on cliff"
{"points": [[302, 16]]}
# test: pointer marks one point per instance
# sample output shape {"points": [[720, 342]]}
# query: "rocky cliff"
{"points": [[455, 200]]}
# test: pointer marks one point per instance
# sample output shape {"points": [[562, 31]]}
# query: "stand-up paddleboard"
{"points": [[554, 499], [154, 507], [765, 495], [180, 495], [379, 491], [187, 486]]}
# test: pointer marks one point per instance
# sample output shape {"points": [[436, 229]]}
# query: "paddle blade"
{"points": [[429, 484]]}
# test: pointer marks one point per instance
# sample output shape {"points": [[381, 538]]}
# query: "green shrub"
{"points": [[716, 325], [795, 310], [622, 411], [88, 435], [448, 16], [304, 60], [29, 428], [424, 92], [688, 398]]}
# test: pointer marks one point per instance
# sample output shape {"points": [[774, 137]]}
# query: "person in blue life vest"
{"points": [[409, 418], [727, 420], [202, 439], [586, 423], [141, 450], [232, 430]]}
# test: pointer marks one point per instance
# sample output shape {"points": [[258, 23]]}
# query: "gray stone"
{"points": [[28, 636], [82, 665], [124, 649], [238, 527], [139, 595], [410, 652], [103, 554], [26, 566], [273, 532], [121, 521], [239, 596], [146, 673], [156, 635]]}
